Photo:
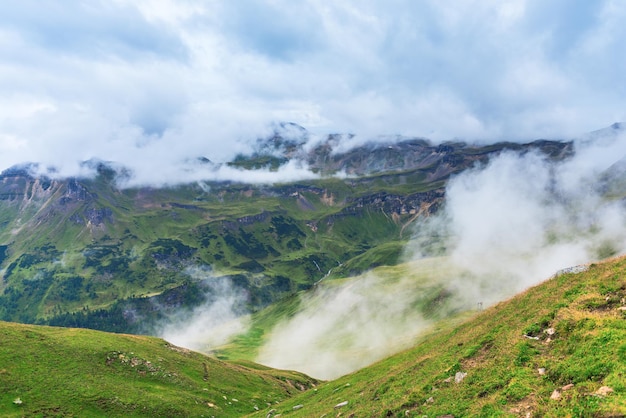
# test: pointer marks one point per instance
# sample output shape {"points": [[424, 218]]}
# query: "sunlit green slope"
{"points": [[47, 372]]}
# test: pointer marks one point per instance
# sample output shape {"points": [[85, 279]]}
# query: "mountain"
{"points": [[88, 252], [317, 256]]}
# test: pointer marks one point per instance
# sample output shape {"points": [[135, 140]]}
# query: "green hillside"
{"points": [[63, 372], [557, 350]]}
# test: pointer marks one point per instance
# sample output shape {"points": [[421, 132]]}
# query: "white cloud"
{"points": [[166, 81]]}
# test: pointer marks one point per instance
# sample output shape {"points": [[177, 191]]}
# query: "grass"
{"points": [[48, 371], [578, 339], [236, 229]]}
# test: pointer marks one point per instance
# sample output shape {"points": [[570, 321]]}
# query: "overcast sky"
{"points": [[151, 83]]}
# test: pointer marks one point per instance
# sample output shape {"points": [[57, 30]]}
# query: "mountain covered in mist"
{"points": [[325, 256], [90, 252]]}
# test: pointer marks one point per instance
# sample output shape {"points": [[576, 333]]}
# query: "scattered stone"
{"points": [[571, 270], [270, 414], [235, 400], [210, 405], [256, 408], [550, 331], [430, 400], [459, 376], [541, 371], [622, 308], [295, 408], [448, 380], [604, 391], [341, 404], [17, 401], [531, 338], [556, 395], [567, 387]]}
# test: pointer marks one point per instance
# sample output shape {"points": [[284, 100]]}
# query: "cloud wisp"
{"points": [[214, 322]]}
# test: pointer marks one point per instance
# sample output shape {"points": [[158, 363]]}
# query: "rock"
{"points": [[622, 308], [430, 400], [541, 371], [448, 380], [550, 331], [567, 387], [295, 408], [459, 376], [556, 395], [604, 391], [341, 404]]}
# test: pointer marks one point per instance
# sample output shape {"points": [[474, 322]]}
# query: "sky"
{"points": [[154, 84]]}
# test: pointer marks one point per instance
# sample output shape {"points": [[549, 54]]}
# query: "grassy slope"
{"points": [[155, 234], [72, 372], [587, 350]]}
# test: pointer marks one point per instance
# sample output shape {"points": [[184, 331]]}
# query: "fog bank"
{"points": [[505, 226], [214, 322]]}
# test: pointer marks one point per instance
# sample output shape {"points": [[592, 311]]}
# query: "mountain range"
{"points": [[103, 253]]}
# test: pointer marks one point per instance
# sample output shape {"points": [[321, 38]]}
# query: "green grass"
{"points": [[587, 350], [235, 229], [47, 371]]}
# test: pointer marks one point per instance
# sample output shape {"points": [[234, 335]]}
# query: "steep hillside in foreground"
{"points": [[558, 349], [61, 372]]}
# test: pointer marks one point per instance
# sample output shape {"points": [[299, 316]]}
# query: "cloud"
{"points": [[343, 327], [212, 323], [166, 82], [516, 221]]}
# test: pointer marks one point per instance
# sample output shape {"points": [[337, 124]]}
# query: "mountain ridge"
{"points": [[79, 250]]}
